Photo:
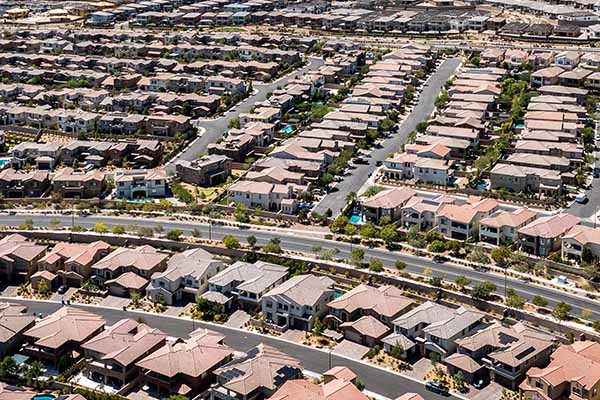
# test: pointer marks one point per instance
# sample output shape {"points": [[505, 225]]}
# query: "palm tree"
{"points": [[351, 197]]}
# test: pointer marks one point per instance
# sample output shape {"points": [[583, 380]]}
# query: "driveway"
{"points": [[357, 177], [214, 129]]}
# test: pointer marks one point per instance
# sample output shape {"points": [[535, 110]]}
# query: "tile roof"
{"points": [[551, 226], [390, 198], [13, 321], [367, 326], [303, 289], [384, 300], [583, 234], [512, 219], [460, 319], [463, 362], [142, 258], [301, 389]]}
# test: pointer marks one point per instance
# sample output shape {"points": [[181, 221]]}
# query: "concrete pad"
{"points": [[140, 394], [350, 349], [238, 319], [114, 301], [421, 368], [293, 335], [491, 391]]}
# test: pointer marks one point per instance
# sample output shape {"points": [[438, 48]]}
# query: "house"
{"points": [[384, 303], [525, 179], [505, 351], [273, 197], [19, 257], [542, 236], [577, 239], [85, 185], [126, 284], [257, 374], [208, 170], [421, 211], [441, 335], [420, 169], [13, 322], [248, 282], [185, 367], [115, 351], [133, 184], [462, 221], [298, 302], [573, 372], [18, 184], [71, 263], [187, 275], [502, 227], [412, 323], [331, 388], [367, 330], [387, 203], [143, 261], [59, 336], [546, 76]]}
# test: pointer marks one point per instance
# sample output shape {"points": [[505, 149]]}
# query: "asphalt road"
{"points": [[215, 128], [356, 178], [294, 241], [376, 379]]}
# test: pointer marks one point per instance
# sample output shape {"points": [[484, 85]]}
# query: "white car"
{"points": [[581, 197]]}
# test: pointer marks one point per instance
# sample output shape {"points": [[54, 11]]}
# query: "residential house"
{"points": [[71, 263], [19, 258], [206, 171], [462, 221], [133, 184], [384, 303], [502, 227], [525, 179], [333, 387], [367, 331], [143, 261], [18, 184], [84, 185], [421, 211], [542, 236], [387, 203], [506, 352], [187, 275], [247, 282], [185, 367], [573, 372], [546, 76], [13, 322], [257, 374], [59, 336], [273, 197], [298, 302], [577, 239], [115, 351]]}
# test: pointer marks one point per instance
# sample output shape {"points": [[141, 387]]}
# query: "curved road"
{"points": [[294, 241], [214, 128], [376, 379]]}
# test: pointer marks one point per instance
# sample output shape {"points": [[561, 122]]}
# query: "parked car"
{"points": [[581, 198], [62, 289], [437, 387], [596, 172]]}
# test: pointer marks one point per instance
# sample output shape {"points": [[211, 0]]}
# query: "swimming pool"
{"points": [[4, 161], [287, 129], [44, 397], [355, 219], [520, 126]]}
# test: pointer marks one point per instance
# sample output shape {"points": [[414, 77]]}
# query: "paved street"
{"points": [[376, 379], [215, 128], [357, 177], [305, 244]]}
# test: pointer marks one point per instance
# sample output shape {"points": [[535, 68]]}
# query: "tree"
{"points": [[586, 255], [514, 300], [483, 290], [561, 311], [397, 351], [251, 240], [234, 123], [368, 231], [33, 373], [196, 233], [43, 288], [500, 255], [387, 124], [339, 223], [8, 367], [585, 314], [351, 197], [462, 281], [318, 328], [176, 397], [478, 256], [241, 213], [145, 231], [434, 358], [375, 265], [350, 229], [388, 234], [231, 242], [273, 246], [135, 298], [596, 326], [437, 247], [357, 256], [100, 227], [27, 225], [118, 229], [400, 265], [459, 379], [539, 301], [174, 234], [54, 223]]}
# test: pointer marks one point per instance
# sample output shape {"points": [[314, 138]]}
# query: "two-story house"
{"points": [[462, 221]]}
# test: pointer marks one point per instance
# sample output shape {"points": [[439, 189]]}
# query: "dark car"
{"points": [[440, 259], [379, 163], [596, 172], [62, 289], [437, 387]]}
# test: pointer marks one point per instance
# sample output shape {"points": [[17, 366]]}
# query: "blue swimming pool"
{"points": [[520, 126], [355, 219], [287, 129], [44, 397], [481, 186], [4, 161]]}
